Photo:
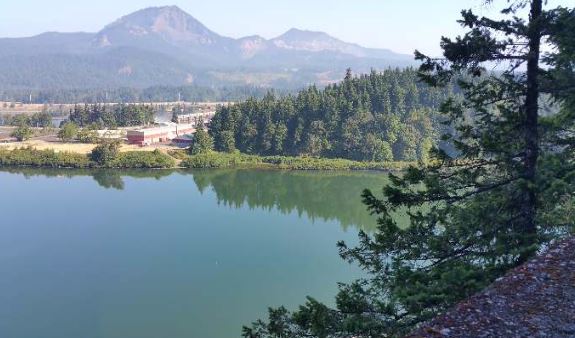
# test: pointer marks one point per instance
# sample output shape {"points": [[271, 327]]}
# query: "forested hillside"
{"points": [[165, 46], [378, 117]]}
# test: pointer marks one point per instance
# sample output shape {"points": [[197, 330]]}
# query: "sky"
{"points": [[399, 25]]}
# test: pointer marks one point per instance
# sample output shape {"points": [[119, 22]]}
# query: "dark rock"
{"points": [[536, 299]]}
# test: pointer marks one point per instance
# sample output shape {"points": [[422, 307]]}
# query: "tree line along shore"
{"points": [[109, 157]]}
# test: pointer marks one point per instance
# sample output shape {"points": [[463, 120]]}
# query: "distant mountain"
{"points": [[168, 24], [167, 30], [167, 46], [309, 41]]}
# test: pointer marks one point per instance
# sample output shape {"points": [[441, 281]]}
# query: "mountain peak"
{"points": [[170, 23], [172, 10], [165, 45], [312, 41], [296, 33]]}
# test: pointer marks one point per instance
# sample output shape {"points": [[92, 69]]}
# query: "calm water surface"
{"points": [[94, 254]]}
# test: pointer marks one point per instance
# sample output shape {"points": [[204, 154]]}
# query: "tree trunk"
{"points": [[529, 208]]}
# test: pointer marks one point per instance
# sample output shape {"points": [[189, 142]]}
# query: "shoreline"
{"points": [[180, 160]]}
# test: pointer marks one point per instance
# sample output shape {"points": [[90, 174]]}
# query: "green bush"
{"points": [[238, 160], [143, 159], [49, 158], [179, 154], [105, 153], [87, 136], [156, 159], [22, 133], [68, 132], [43, 158]]}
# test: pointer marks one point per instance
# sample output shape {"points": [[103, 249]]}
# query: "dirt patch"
{"points": [[81, 148]]}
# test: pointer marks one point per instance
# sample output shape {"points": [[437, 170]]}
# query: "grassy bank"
{"points": [[31, 157], [238, 160]]}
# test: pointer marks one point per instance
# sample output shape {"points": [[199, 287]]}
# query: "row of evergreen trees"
{"points": [[378, 117], [189, 93], [39, 120], [111, 116]]}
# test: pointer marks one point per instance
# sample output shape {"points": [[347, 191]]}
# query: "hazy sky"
{"points": [[400, 25]]}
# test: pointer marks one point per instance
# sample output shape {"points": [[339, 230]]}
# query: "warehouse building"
{"points": [[161, 134]]}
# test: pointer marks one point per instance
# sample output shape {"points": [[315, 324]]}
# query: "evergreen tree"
{"points": [[227, 142], [336, 121], [472, 216], [41, 120], [175, 114], [105, 116], [203, 142]]}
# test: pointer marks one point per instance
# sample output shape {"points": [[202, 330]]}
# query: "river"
{"points": [[148, 254]]}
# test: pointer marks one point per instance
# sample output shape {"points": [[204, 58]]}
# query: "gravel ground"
{"points": [[536, 299]]}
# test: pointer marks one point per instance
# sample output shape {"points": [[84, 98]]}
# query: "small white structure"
{"points": [[193, 118]]}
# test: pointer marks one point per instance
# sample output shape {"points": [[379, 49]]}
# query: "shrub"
{"points": [[43, 158], [22, 133], [87, 136], [143, 159], [68, 131], [238, 160], [105, 152]]}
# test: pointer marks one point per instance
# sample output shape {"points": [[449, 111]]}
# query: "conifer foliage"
{"points": [[376, 117], [508, 193], [112, 116]]}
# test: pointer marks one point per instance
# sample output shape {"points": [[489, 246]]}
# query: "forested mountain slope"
{"points": [[167, 46]]}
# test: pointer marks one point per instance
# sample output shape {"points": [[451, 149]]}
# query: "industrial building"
{"points": [[170, 131], [193, 118], [183, 141], [164, 133]]}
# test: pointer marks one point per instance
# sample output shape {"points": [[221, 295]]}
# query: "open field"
{"points": [[81, 148], [4, 132], [50, 141], [47, 140]]}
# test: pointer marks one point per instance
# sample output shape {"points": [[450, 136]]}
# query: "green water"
{"points": [[157, 254]]}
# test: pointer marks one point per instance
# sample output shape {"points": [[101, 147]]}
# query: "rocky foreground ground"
{"points": [[536, 299]]}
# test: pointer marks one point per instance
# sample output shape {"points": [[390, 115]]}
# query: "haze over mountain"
{"points": [[167, 46]]}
